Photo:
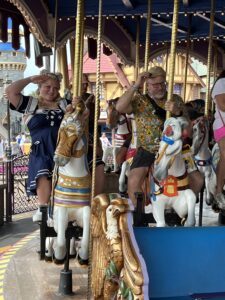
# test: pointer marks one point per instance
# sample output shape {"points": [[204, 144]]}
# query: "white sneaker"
{"points": [[37, 217]]}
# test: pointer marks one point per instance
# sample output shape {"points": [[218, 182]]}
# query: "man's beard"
{"points": [[159, 96]]}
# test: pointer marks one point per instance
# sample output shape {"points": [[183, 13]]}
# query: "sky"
{"points": [[31, 69]]}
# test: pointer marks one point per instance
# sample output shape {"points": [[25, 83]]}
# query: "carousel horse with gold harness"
{"points": [[169, 184], [71, 184], [122, 125]]}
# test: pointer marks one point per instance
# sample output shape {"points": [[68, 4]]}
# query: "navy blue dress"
{"points": [[43, 125]]}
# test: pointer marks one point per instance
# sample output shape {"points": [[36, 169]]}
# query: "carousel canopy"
{"points": [[120, 23]]}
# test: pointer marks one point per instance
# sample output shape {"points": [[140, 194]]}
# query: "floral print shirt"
{"points": [[149, 124]]}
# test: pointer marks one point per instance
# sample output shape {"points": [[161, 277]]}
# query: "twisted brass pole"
{"points": [[77, 49], [187, 57], [81, 51], [147, 39], [209, 59], [97, 101], [137, 47], [172, 53]]}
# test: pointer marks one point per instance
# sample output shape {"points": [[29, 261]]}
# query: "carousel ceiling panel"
{"points": [[119, 25]]}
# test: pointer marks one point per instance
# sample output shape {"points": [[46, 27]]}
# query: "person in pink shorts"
{"points": [[218, 95]]}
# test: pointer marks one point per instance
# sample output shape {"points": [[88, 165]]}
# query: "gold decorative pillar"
{"points": [[81, 50], [76, 89], [147, 39], [209, 59], [173, 53]]}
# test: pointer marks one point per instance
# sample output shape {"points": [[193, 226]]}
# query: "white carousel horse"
{"points": [[125, 168], [121, 123], [202, 153], [71, 184], [172, 190]]}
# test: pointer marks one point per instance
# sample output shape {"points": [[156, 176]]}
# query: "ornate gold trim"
{"points": [[116, 266]]}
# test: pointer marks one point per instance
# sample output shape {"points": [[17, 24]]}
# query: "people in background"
{"points": [[218, 95]]}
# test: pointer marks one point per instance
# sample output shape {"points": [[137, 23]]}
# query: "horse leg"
{"points": [[49, 248], [191, 201], [158, 210], [83, 250], [122, 178], [60, 225]]}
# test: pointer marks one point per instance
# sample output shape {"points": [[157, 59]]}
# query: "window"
{"points": [[177, 88]]}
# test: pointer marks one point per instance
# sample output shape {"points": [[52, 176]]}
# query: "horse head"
{"points": [[170, 146], [112, 114], [71, 129], [200, 131]]}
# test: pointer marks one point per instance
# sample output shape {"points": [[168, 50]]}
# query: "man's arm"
{"points": [[123, 105]]}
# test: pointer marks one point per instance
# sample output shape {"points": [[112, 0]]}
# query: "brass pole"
{"points": [[77, 49], [167, 56], [209, 59], [137, 46], [55, 35], [147, 39], [187, 57], [81, 51], [97, 101], [172, 53]]}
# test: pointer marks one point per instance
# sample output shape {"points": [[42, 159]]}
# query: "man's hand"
{"points": [[141, 79]]}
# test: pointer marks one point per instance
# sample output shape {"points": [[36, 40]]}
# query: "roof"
{"points": [[120, 23]]}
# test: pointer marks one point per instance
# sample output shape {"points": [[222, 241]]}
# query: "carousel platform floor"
{"points": [[24, 277]]}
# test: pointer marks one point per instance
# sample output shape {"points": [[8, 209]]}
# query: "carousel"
{"points": [[127, 258]]}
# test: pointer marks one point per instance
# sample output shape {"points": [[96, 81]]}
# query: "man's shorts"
{"points": [[99, 160], [143, 158]]}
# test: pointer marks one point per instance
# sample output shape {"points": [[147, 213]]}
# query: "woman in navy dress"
{"points": [[42, 117]]}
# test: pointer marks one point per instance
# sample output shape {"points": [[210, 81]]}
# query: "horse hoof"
{"points": [[82, 262], [48, 258], [59, 261]]}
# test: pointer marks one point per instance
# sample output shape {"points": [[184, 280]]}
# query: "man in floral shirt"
{"points": [[150, 113]]}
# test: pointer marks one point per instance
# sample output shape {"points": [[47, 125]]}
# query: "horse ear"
{"points": [[175, 148]]}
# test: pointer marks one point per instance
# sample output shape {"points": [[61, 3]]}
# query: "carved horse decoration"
{"points": [[202, 153], [171, 181], [71, 183], [117, 265], [122, 125]]}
